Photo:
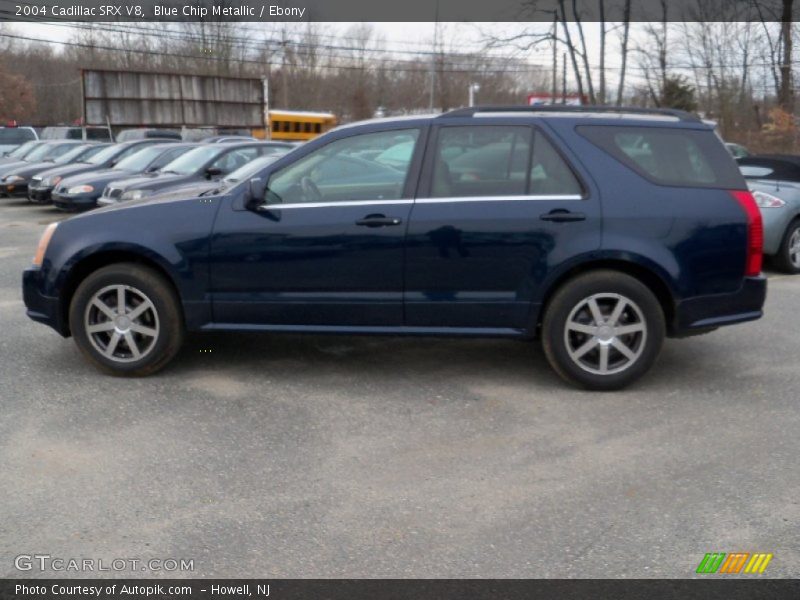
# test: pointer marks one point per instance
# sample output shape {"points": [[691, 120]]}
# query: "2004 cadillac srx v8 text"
{"points": [[600, 231]]}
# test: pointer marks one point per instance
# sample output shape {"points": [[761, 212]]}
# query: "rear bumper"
{"points": [[709, 312], [41, 308]]}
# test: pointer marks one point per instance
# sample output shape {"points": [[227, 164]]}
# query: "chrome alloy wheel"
{"points": [[121, 322], [605, 334], [794, 248]]}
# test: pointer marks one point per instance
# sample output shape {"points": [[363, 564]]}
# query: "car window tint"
{"points": [[347, 169], [481, 161], [550, 174], [682, 157], [230, 161], [12, 135]]}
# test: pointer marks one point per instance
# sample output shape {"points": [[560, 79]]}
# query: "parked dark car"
{"points": [[17, 181], [210, 186], [445, 247], [47, 152], [127, 135], [19, 153], [104, 159], [82, 191], [206, 162]]}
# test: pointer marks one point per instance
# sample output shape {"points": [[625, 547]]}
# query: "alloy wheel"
{"points": [[121, 322], [605, 334]]}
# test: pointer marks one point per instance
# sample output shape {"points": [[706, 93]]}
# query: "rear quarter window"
{"points": [[675, 157]]}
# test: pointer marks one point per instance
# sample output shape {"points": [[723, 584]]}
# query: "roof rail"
{"points": [[559, 108]]}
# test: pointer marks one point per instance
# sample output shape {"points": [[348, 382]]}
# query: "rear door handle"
{"points": [[561, 215], [378, 221]]}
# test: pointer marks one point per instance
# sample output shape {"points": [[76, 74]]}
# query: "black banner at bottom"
{"points": [[394, 589]]}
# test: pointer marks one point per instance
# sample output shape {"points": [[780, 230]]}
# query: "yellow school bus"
{"points": [[294, 125]]}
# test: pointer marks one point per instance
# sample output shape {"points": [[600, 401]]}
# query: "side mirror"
{"points": [[257, 188], [213, 172]]}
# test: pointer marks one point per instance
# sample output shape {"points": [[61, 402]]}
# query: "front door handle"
{"points": [[378, 221], [561, 215]]}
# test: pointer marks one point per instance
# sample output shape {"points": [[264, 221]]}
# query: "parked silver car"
{"points": [[775, 183]]}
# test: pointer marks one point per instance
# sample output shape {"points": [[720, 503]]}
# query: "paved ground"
{"points": [[290, 456]]}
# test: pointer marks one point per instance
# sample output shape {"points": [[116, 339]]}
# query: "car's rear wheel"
{"points": [[788, 257], [603, 330], [126, 319]]}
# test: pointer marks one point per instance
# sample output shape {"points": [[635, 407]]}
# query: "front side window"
{"points": [[235, 159], [353, 168], [498, 161]]}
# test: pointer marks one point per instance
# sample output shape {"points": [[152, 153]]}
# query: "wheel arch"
{"points": [[88, 264], [648, 276]]}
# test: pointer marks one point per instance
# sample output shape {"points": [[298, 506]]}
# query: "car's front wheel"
{"points": [[603, 330], [126, 319], [788, 257]]}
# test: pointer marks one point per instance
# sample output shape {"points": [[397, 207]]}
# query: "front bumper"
{"points": [[39, 195], [705, 313], [14, 189], [776, 220], [41, 308], [74, 201]]}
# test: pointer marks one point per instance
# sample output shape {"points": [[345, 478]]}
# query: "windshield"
{"points": [[193, 160], [138, 161], [250, 169], [43, 152], [23, 150], [71, 155], [107, 154], [12, 135]]}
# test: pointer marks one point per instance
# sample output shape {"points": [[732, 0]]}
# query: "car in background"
{"points": [[11, 137], [106, 158], [64, 132], [737, 150], [206, 162], [81, 191], [127, 135], [602, 232], [225, 139], [775, 183], [40, 186], [16, 183], [19, 153], [206, 187], [47, 151]]}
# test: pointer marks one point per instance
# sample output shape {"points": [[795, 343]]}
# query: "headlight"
{"points": [[80, 189], [51, 181], [135, 194], [44, 241], [765, 200], [13, 179]]}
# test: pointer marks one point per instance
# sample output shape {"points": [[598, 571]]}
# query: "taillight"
{"points": [[755, 231]]}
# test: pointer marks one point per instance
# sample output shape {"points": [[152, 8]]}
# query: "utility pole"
{"points": [[554, 89], [433, 57]]}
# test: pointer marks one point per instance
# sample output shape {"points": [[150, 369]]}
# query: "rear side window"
{"points": [[678, 157], [499, 161], [12, 135]]}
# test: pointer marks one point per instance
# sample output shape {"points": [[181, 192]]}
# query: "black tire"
{"points": [[783, 259], [640, 328], [156, 332]]}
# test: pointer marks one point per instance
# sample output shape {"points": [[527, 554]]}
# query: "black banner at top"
{"points": [[398, 589], [391, 10]]}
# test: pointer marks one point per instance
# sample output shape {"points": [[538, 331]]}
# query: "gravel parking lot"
{"points": [[310, 456]]}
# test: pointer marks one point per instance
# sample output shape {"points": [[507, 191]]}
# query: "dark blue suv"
{"points": [[599, 231]]}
